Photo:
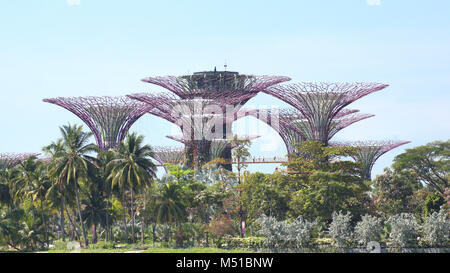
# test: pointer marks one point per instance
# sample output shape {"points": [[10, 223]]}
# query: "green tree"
{"points": [[71, 164], [132, 169], [394, 192], [320, 182], [431, 163], [264, 194], [240, 153]]}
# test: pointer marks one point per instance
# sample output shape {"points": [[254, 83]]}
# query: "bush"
{"points": [[59, 245], [273, 231], [403, 230], [282, 234], [368, 229], [340, 228], [243, 243], [299, 232], [436, 228], [102, 245]]}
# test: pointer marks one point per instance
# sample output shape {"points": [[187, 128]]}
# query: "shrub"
{"points": [[436, 228], [368, 229], [403, 230], [340, 228], [273, 231], [59, 245], [102, 245], [282, 234], [243, 243], [299, 232]]}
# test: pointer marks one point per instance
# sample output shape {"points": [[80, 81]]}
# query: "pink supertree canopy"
{"points": [[293, 127], [216, 85], [200, 120], [320, 103], [369, 151], [10, 160], [109, 118], [172, 155]]}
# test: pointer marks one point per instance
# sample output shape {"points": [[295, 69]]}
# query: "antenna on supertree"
{"points": [[109, 118], [10, 160], [368, 152], [320, 103]]}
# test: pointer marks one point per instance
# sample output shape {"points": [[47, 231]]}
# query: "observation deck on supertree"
{"points": [[369, 151], [10, 160], [216, 85], [109, 118], [320, 103]]}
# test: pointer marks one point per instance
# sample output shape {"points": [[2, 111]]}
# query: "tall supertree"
{"points": [[320, 103], [216, 84], [200, 120], [368, 152], [224, 87], [10, 160], [216, 146], [293, 127], [109, 118]]}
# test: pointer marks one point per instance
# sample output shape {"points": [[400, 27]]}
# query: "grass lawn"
{"points": [[157, 250]]}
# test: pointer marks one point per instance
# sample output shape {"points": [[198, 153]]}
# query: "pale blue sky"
{"points": [[104, 47]]}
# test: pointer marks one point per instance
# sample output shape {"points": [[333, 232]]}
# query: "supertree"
{"points": [[368, 152], [320, 103], [216, 146], [10, 160], [216, 84], [293, 127], [109, 118], [172, 155], [224, 87], [200, 121]]}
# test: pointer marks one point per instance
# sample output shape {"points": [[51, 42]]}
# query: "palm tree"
{"points": [[6, 178], [240, 154], [131, 169], [58, 187], [169, 204], [72, 163]]}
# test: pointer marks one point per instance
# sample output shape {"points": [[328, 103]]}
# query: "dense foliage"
{"points": [[105, 198]]}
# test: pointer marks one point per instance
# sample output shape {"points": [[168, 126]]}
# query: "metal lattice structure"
{"points": [[172, 155], [223, 87], [320, 103], [293, 127], [200, 120], [109, 118], [216, 85], [10, 160], [369, 151]]}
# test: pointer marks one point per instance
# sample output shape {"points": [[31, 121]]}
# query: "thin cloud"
{"points": [[373, 2]]}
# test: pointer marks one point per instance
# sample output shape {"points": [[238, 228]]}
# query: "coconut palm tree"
{"points": [[169, 205], [131, 169], [72, 163], [58, 187]]}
